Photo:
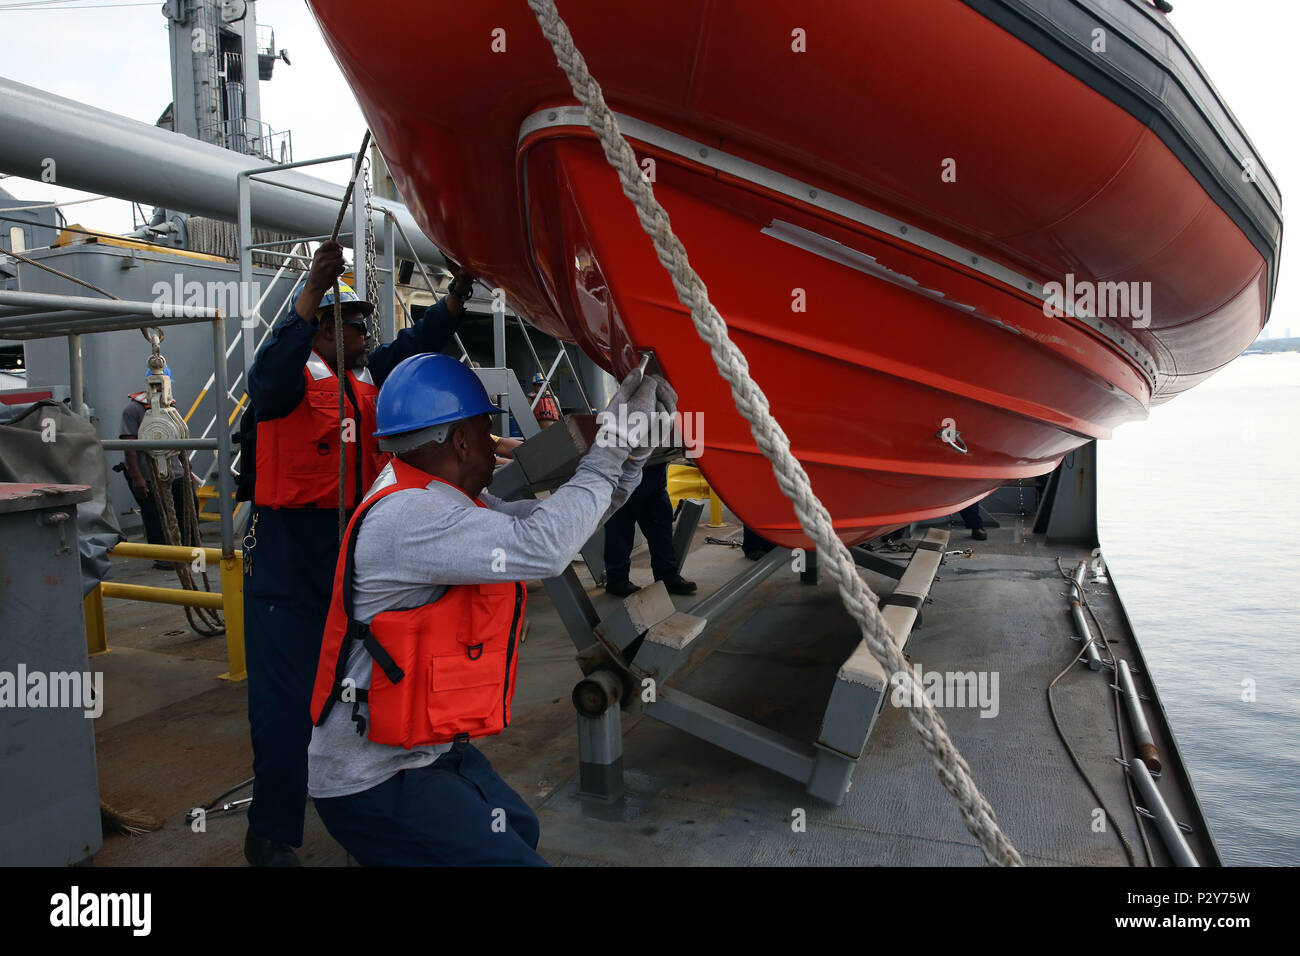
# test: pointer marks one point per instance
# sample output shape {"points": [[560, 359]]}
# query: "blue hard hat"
{"points": [[538, 378], [427, 390], [167, 370]]}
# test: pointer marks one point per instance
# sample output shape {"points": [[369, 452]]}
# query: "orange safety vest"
{"points": [[298, 455], [547, 410], [440, 672]]}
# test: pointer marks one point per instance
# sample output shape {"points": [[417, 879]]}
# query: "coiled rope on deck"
{"points": [[814, 519]]}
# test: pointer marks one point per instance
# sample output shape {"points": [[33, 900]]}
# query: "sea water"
{"points": [[1200, 526]]}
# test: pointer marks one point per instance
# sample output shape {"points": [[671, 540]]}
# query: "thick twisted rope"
{"points": [[750, 401]]}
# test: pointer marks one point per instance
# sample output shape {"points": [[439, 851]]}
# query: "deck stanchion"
{"points": [[96, 632], [232, 593], [230, 600]]}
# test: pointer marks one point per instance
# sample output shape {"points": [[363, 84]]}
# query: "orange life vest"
{"points": [[547, 410], [298, 455], [440, 672]]}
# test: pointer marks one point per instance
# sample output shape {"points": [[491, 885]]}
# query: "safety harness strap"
{"points": [[356, 631]]}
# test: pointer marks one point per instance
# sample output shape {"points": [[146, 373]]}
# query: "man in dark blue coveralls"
{"points": [[650, 507], [294, 391]]}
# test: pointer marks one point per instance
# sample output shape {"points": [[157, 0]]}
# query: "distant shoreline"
{"points": [[1265, 346]]}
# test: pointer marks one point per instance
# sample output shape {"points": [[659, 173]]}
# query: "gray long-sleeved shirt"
{"points": [[414, 543]]}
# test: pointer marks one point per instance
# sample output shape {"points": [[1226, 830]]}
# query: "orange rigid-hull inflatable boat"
{"points": [[955, 240]]}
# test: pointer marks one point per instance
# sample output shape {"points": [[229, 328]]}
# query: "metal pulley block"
{"points": [[161, 421]]}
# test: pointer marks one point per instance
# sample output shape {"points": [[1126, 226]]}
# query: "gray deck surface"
{"points": [[173, 736]]}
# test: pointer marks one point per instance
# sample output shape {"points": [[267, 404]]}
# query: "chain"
{"points": [[155, 336], [372, 320], [250, 542]]}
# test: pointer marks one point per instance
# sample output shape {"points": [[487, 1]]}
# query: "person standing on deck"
{"points": [[138, 466], [421, 647], [974, 521], [294, 525], [547, 410], [652, 509]]}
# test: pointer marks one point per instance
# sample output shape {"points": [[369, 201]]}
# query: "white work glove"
{"points": [[643, 441], [666, 409], [628, 420], [624, 426]]}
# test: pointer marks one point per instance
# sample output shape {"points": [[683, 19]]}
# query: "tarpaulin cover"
{"points": [[44, 441]]}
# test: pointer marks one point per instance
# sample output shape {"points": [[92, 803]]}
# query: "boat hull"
{"points": [[863, 372], [878, 236]]}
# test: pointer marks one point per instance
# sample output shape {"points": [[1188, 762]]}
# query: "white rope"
{"points": [[750, 401]]}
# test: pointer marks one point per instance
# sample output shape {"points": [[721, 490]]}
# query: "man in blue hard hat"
{"points": [[293, 537], [421, 645]]}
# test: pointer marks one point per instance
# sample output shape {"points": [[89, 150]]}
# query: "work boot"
{"points": [[259, 851], [979, 534], [679, 585], [621, 588]]}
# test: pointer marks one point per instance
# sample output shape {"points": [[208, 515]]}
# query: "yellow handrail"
{"points": [[229, 600]]}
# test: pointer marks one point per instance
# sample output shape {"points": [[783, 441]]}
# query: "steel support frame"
{"points": [[861, 683], [688, 519], [502, 385], [647, 640]]}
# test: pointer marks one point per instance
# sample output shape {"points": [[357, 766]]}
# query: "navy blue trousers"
{"points": [[752, 542], [650, 507], [454, 812], [286, 601], [970, 516]]}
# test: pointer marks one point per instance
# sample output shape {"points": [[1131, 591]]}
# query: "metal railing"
{"points": [[265, 40], [250, 136], [230, 599], [33, 315]]}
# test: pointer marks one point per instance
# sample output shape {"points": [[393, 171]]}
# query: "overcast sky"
{"points": [[116, 58]]}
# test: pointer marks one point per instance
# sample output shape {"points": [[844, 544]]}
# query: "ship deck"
{"points": [[173, 736]]}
